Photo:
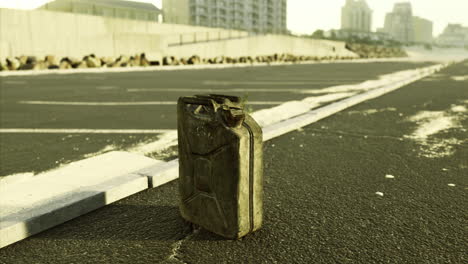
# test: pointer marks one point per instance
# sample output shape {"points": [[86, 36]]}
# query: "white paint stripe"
{"points": [[82, 131], [14, 82], [460, 78], [127, 103], [294, 108], [204, 90], [107, 87], [227, 83]]}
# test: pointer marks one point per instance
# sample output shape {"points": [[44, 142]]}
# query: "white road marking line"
{"points": [[460, 78], [82, 131], [95, 77], [239, 90], [106, 87], [227, 83], [14, 82], [128, 103]]}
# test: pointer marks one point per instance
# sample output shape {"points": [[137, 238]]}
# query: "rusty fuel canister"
{"points": [[220, 165]]}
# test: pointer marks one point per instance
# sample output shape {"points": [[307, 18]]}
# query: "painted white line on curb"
{"points": [[290, 109], [292, 124], [53, 197], [86, 185], [81, 131], [160, 174], [127, 103], [14, 178]]}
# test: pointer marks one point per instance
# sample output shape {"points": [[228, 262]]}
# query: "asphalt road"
{"points": [[35, 152], [321, 202]]}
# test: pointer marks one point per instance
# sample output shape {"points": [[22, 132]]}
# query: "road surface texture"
{"points": [[31, 102], [382, 182]]}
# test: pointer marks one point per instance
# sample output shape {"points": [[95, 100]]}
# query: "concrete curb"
{"points": [[186, 67], [161, 173], [28, 208], [289, 125], [54, 197]]}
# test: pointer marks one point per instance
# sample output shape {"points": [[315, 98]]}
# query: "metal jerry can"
{"points": [[220, 165]]}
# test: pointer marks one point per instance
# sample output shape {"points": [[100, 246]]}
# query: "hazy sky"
{"points": [[305, 16]]}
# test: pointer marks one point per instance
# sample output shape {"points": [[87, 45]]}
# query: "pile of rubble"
{"points": [[89, 61], [92, 61], [373, 51]]}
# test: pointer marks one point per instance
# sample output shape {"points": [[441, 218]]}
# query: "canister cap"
{"points": [[231, 107]]}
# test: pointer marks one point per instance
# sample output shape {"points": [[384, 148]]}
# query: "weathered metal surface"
{"points": [[220, 165]]}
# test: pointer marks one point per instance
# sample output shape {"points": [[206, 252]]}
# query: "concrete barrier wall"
{"points": [[263, 45], [40, 32]]}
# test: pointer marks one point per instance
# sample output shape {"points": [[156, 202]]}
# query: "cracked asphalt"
{"points": [[321, 202]]}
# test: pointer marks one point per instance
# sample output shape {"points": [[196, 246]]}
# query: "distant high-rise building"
{"points": [[260, 16], [422, 30], [454, 35], [399, 23], [356, 16]]}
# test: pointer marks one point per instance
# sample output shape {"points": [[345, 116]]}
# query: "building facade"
{"points": [[259, 16], [454, 35], [399, 23], [356, 16], [422, 30], [107, 8]]}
